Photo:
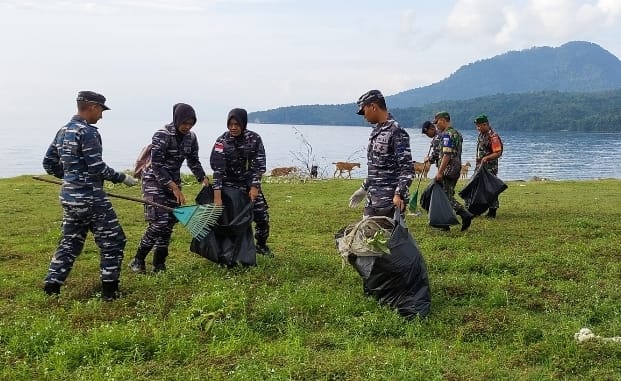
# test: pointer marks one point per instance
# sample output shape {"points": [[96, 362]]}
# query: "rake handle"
{"points": [[421, 175], [130, 198]]}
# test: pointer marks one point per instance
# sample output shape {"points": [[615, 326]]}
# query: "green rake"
{"points": [[198, 219]]}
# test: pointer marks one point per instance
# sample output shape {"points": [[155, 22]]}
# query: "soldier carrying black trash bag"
{"points": [[449, 169], [390, 171], [489, 150]]}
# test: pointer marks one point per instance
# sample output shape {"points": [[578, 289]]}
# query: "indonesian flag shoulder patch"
{"points": [[219, 147]]}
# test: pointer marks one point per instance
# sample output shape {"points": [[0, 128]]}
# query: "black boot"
{"points": [[137, 264], [52, 288], [491, 213], [263, 249], [466, 219], [159, 259], [109, 290]]}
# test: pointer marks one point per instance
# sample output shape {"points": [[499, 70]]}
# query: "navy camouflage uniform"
{"points": [[170, 148], [239, 162], [390, 168], [452, 142], [75, 156], [436, 149]]}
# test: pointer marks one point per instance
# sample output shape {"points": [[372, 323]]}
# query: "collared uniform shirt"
{"points": [[389, 160], [75, 155], [238, 161], [169, 150], [452, 143], [488, 143], [436, 149]]}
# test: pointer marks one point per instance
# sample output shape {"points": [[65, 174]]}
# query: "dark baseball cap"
{"points": [[368, 98], [481, 119], [426, 125], [92, 97]]}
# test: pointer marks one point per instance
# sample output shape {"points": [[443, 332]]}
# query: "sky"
{"points": [[145, 56]]}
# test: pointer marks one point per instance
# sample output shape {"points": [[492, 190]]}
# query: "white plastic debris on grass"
{"points": [[586, 334]]}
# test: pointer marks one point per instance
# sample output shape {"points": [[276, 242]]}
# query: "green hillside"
{"points": [[574, 87], [519, 112]]}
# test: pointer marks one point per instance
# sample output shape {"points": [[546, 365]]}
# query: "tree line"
{"points": [[586, 112]]}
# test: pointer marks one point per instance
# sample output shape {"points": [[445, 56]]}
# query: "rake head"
{"points": [[198, 219]]}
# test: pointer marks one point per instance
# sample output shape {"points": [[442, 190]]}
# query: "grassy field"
{"points": [[507, 296]]}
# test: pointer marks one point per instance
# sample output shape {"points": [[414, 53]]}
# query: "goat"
{"points": [[343, 166], [421, 169], [464, 170], [283, 171], [313, 171]]}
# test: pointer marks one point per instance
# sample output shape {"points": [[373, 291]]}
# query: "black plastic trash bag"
{"points": [[398, 279], [441, 213], [231, 241], [482, 190]]}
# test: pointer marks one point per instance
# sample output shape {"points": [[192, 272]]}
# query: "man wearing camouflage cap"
{"points": [[489, 150], [389, 160], [449, 169], [75, 156]]}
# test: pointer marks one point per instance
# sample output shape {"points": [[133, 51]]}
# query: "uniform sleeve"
{"points": [[448, 144], [258, 163], [92, 153], [217, 160], [401, 141], [434, 158], [193, 161], [496, 144], [159, 146], [51, 160]]}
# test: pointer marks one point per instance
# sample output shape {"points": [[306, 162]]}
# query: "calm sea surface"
{"points": [[549, 154]]}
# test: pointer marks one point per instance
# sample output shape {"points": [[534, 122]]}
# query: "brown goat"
{"points": [[283, 171], [343, 166], [464, 170], [421, 169]]}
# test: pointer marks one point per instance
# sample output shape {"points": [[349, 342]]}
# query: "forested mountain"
{"points": [[597, 112], [575, 66], [565, 86], [521, 112]]}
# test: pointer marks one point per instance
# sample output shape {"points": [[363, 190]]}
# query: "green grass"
{"points": [[507, 296]]}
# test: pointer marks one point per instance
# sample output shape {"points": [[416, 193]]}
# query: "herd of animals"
{"points": [[344, 167]]}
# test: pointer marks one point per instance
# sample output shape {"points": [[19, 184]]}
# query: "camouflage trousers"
{"points": [[160, 223], [261, 218], [449, 188], [380, 203], [108, 234]]}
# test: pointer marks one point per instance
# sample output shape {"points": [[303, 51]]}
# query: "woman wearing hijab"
{"points": [[161, 183]]}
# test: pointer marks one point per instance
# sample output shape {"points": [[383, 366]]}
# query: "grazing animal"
{"points": [[421, 169], [283, 171], [464, 170], [343, 166], [313, 172]]}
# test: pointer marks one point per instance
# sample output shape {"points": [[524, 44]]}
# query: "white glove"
{"points": [[129, 181], [355, 198]]}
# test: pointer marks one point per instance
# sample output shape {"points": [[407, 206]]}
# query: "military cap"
{"points": [[426, 125], [481, 119], [443, 115], [368, 98], [92, 97]]}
